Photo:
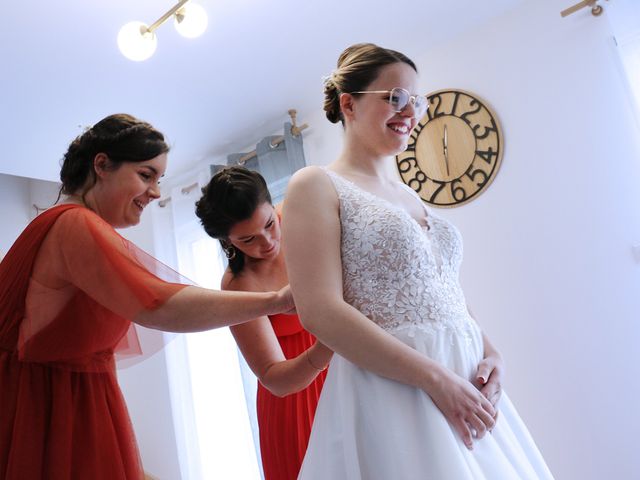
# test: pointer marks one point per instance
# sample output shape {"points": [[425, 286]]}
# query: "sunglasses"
{"points": [[399, 98]]}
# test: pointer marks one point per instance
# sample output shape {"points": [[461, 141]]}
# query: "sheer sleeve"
{"points": [[109, 268], [85, 286]]}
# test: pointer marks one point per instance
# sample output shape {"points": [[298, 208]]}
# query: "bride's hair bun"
{"points": [[358, 66]]}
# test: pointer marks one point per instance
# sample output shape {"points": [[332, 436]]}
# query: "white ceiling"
{"points": [[61, 68]]}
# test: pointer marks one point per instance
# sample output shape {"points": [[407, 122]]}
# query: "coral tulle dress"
{"points": [[285, 422], [69, 287]]}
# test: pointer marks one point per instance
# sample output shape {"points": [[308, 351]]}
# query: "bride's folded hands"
{"points": [[489, 378], [462, 405]]}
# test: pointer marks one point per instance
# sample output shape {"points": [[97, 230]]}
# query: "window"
{"points": [[207, 377]]}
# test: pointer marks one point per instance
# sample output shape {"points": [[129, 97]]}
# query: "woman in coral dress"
{"points": [[236, 208], [70, 288]]}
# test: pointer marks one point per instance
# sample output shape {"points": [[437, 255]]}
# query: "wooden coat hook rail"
{"points": [[295, 131]]}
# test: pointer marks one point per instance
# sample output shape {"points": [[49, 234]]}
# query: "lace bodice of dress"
{"points": [[395, 271]]}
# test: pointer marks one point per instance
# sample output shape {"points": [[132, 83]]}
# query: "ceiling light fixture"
{"points": [[138, 42]]}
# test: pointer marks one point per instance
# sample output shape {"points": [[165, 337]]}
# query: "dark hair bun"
{"points": [[332, 101]]}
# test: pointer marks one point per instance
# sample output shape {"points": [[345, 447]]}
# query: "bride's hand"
{"points": [[463, 406], [488, 378]]}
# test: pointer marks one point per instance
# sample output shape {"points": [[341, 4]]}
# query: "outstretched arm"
{"points": [[194, 309], [260, 347], [88, 253], [312, 235]]}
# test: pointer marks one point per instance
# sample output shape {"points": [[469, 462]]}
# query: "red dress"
{"points": [[285, 422], [69, 287]]}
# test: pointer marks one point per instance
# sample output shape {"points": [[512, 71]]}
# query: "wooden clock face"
{"points": [[454, 152]]}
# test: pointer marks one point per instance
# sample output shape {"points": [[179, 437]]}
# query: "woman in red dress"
{"points": [[289, 363], [70, 287]]}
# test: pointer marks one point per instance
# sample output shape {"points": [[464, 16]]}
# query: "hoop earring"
{"points": [[229, 251]]}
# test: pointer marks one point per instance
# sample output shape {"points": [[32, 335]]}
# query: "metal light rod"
{"points": [[166, 16]]}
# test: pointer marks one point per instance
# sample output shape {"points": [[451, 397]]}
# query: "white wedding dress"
{"points": [[404, 277]]}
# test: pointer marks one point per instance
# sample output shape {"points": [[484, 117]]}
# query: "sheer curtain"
{"points": [[213, 391], [206, 376]]}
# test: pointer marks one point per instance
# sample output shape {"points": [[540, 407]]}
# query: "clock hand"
{"points": [[445, 149]]}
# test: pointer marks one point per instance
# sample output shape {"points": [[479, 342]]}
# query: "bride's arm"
{"points": [[490, 373], [312, 251], [488, 378]]}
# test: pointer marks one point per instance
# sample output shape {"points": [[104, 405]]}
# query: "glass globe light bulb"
{"points": [[135, 42], [191, 20]]}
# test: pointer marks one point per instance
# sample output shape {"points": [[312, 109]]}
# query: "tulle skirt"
{"points": [[369, 427], [60, 424]]}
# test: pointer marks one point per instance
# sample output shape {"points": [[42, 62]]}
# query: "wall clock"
{"points": [[455, 151]]}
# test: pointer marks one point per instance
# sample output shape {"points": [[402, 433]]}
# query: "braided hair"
{"points": [[122, 137]]}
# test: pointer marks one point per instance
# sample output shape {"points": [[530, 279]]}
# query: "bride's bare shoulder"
{"points": [[308, 174], [311, 181]]}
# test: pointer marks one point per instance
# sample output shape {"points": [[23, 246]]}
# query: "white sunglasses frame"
{"points": [[412, 98]]}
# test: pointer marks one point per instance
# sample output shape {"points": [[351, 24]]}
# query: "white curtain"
{"points": [[210, 407]]}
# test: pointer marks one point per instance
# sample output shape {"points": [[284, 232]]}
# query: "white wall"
{"points": [[14, 209], [145, 386], [146, 391], [19, 197], [548, 268]]}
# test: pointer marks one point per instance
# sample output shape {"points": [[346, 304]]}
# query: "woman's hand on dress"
{"points": [[285, 302], [488, 379], [468, 411]]}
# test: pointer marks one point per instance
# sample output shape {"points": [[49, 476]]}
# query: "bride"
{"points": [[414, 389]]}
